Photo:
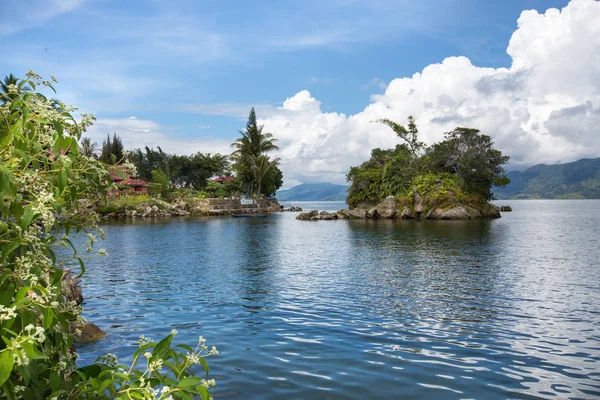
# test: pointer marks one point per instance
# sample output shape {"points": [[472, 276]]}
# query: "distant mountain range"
{"points": [[314, 192], [576, 180]]}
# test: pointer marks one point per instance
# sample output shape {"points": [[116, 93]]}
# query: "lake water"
{"points": [[508, 308]]}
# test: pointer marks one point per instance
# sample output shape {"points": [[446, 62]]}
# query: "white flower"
{"points": [[7, 313], [148, 355], [174, 332], [155, 365], [193, 358], [103, 252], [144, 340]]}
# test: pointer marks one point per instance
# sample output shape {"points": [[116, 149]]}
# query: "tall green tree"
{"points": [[252, 144], [112, 150], [472, 157], [87, 147], [410, 135], [261, 166], [11, 88]]}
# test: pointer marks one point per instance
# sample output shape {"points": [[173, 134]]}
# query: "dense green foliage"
{"points": [[464, 163], [192, 171], [575, 180], [45, 184], [112, 150], [314, 192], [471, 157], [216, 190], [254, 169]]}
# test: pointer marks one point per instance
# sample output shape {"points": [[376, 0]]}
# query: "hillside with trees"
{"points": [[255, 173], [452, 179], [576, 180]]}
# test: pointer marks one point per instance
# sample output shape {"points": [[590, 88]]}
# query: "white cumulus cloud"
{"points": [[545, 107]]}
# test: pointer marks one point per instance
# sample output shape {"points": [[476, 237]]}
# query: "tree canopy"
{"points": [[466, 157], [182, 171], [112, 150]]}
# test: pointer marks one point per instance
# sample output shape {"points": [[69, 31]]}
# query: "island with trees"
{"points": [[452, 179]]}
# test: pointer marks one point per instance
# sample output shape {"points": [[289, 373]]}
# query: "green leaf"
{"points": [[6, 365], [28, 347], [8, 189], [91, 371], [186, 395], [20, 296], [48, 316], [6, 293], [82, 265], [59, 127], [162, 348], [185, 347], [121, 173], [6, 138], [204, 365], [25, 373], [62, 181], [113, 158], [54, 380], [190, 382], [27, 217], [105, 384], [203, 392]]}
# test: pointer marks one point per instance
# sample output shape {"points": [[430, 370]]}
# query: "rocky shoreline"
{"points": [[155, 208], [417, 209]]}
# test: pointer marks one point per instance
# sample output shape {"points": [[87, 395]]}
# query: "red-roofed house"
{"points": [[127, 186], [223, 179]]}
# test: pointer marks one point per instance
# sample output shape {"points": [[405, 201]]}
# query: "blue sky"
{"points": [[192, 69]]}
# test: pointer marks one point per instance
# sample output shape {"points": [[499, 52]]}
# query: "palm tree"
{"points": [[87, 147], [260, 166], [254, 141], [253, 144], [9, 80]]}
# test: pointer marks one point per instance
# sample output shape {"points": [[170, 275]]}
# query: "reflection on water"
{"points": [[384, 309]]}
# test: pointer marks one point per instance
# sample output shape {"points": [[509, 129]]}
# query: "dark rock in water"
{"points": [[504, 208], [387, 208], [73, 292], [89, 333], [357, 213], [372, 213], [463, 212], [307, 215], [406, 213], [71, 287], [418, 202]]}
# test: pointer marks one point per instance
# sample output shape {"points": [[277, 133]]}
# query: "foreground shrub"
{"points": [[43, 179]]}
